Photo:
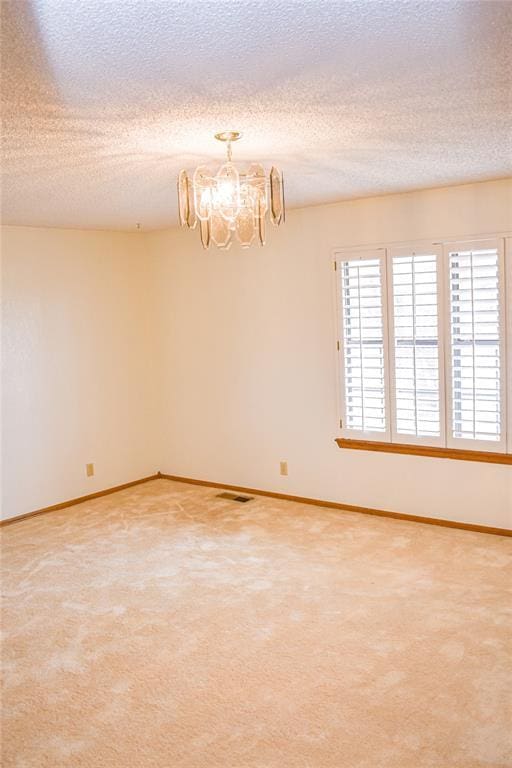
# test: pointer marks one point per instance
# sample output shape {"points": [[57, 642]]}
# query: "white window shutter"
{"points": [[477, 361], [416, 348], [508, 346], [363, 347]]}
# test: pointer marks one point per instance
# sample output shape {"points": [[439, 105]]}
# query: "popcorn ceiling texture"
{"points": [[103, 102]]}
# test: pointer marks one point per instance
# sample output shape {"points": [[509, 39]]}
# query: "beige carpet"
{"points": [[162, 627]]}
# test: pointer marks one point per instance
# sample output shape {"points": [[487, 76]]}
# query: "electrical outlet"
{"points": [[283, 467], [89, 470]]}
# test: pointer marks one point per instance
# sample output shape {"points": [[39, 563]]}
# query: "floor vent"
{"points": [[234, 497]]}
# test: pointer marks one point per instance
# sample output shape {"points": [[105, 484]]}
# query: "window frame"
{"points": [[391, 440]]}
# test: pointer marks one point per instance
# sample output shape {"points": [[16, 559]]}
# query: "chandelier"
{"points": [[230, 201]]}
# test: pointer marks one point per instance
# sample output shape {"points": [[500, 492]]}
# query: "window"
{"points": [[364, 345], [476, 311], [422, 344], [416, 352]]}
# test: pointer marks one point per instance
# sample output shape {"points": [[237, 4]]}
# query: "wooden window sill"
{"points": [[425, 450]]}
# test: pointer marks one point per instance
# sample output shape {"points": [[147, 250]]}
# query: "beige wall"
{"points": [[79, 354], [247, 344], [143, 352]]}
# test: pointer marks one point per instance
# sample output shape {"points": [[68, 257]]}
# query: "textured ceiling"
{"points": [[103, 102]]}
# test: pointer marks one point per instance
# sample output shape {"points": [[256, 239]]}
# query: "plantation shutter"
{"points": [[477, 360], [416, 352], [364, 345], [508, 304]]}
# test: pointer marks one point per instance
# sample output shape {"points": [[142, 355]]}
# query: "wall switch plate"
{"points": [[283, 467], [89, 470]]}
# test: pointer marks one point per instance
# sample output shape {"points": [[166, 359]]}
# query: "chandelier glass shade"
{"points": [[231, 201]]}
